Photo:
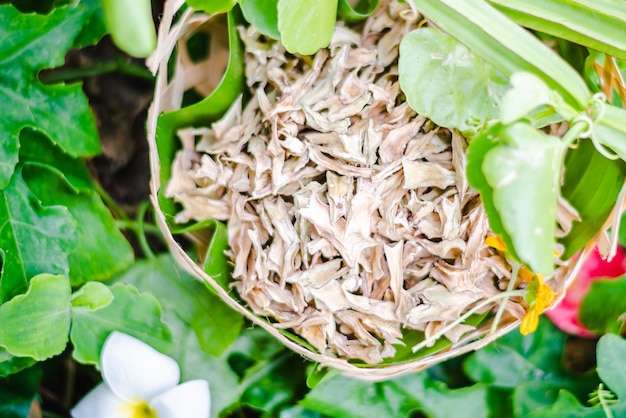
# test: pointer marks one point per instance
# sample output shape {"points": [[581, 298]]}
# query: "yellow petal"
{"points": [[529, 322], [545, 297], [525, 274], [496, 242]]}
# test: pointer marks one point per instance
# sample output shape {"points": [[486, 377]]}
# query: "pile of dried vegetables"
{"points": [[350, 219]]}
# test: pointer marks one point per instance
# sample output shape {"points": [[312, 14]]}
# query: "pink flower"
{"points": [[565, 314]]}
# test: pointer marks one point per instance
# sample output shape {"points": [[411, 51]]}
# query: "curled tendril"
{"points": [[584, 119]]}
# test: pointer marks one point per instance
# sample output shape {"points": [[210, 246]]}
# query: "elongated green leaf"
{"points": [[505, 45], [523, 171], [591, 185], [131, 26], [306, 26], [29, 44], [33, 239], [597, 24], [204, 112], [446, 82], [131, 312], [611, 366], [37, 323], [263, 15], [215, 324]]}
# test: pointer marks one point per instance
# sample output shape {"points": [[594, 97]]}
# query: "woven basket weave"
{"points": [[201, 76]]}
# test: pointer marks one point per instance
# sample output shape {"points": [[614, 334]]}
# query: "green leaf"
{"points": [[611, 367], [212, 6], [361, 10], [131, 312], [504, 44], [306, 26], [34, 239], [96, 232], [514, 359], [206, 111], [263, 15], [10, 364], [446, 82], [592, 23], [591, 184], [18, 392], [610, 130], [395, 398], [196, 363], [37, 323], [215, 324], [92, 296], [61, 112], [528, 93], [274, 382], [604, 306], [131, 26], [523, 171], [567, 405]]}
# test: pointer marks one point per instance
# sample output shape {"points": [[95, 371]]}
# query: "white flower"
{"points": [[140, 382]]}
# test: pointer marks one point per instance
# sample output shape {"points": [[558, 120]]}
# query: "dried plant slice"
{"points": [[350, 218]]}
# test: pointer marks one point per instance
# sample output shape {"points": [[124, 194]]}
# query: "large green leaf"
{"points": [[567, 405], [396, 398], [523, 172], [37, 323], [33, 239], [215, 324], [593, 23], [446, 82], [131, 312], [306, 26], [57, 179], [29, 44], [591, 184]]}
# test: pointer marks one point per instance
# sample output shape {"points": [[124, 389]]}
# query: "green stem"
{"points": [[141, 232], [509, 288], [465, 316], [133, 226], [575, 130], [62, 75]]}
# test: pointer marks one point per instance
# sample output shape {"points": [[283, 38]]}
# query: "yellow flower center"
{"points": [[138, 409]]}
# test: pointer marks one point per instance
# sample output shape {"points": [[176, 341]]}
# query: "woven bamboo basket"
{"points": [[353, 233]]}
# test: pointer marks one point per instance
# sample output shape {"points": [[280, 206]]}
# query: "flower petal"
{"points": [[101, 402], [134, 370], [189, 400]]}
